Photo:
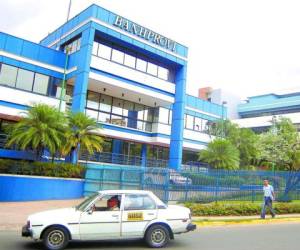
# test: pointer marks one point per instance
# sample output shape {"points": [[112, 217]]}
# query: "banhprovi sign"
{"points": [[145, 33]]}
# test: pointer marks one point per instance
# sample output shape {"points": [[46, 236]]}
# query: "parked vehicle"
{"points": [[110, 215]]}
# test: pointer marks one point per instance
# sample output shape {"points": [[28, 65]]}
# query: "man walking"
{"points": [[269, 197]]}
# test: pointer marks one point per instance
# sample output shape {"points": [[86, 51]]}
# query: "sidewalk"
{"points": [[13, 215]]}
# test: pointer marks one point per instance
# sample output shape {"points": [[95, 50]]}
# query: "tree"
{"points": [[221, 154], [244, 139], [42, 128], [80, 133], [280, 146]]}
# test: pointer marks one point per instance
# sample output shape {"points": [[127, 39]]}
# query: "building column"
{"points": [[176, 144], [144, 155], [83, 68], [116, 150]]}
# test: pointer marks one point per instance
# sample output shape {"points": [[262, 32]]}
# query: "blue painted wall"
{"points": [[25, 188]]}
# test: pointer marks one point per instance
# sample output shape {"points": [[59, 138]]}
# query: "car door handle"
{"points": [[115, 215]]}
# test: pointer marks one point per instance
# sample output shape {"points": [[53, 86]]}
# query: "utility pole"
{"points": [[63, 84]]}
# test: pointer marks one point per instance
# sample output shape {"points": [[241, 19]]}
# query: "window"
{"points": [[119, 120], [8, 75], [163, 73], [24, 79], [104, 51], [117, 56], [163, 115], [128, 110], [198, 124], [92, 113], [129, 61], [152, 69], [105, 103], [117, 106], [138, 202], [40, 84], [93, 100], [140, 111], [107, 203], [141, 65], [189, 122], [104, 117], [95, 48]]}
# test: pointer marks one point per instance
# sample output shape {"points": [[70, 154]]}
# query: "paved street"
{"points": [[252, 237]]}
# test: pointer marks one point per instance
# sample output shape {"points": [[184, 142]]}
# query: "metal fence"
{"points": [[205, 185]]}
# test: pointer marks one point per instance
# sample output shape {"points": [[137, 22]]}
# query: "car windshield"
{"points": [[86, 202]]}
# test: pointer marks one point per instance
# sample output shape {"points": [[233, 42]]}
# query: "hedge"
{"points": [[239, 209], [53, 169]]}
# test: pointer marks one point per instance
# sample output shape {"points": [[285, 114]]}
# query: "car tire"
{"points": [[157, 236], [56, 238]]}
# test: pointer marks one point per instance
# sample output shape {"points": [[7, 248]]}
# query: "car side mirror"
{"points": [[90, 210]]}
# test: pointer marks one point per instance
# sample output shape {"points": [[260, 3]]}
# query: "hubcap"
{"points": [[56, 238], [158, 236]]}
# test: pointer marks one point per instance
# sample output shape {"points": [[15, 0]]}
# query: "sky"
{"points": [[247, 47]]}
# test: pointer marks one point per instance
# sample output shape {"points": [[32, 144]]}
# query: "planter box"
{"points": [[33, 188]]}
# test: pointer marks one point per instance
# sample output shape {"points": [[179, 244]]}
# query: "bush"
{"points": [[66, 170], [239, 209]]}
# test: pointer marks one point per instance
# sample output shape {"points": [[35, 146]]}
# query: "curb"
{"points": [[243, 221]]}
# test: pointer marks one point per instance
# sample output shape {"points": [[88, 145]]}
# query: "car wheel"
{"points": [[55, 238], [157, 236]]}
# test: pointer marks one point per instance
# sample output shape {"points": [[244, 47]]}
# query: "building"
{"points": [[259, 112], [223, 98], [130, 78]]}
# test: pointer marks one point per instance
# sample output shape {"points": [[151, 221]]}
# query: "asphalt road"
{"points": [[250, 237]]}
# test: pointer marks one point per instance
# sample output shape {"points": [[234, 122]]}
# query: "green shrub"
{"points": [[239, 209], [53, 169]]}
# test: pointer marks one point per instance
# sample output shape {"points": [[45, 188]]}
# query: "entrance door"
{"points": [[101, 221]]}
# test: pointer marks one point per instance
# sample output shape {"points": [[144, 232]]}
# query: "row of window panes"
{"points": [[119, 107], [23, 79], [195, 123], [72, 46], [118, 56], [119, 120]]}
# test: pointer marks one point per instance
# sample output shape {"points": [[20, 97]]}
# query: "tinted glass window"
{"points": [[93, 100], [8, 75], [25, 79], [117, 106], [152, 69], [198, 124], [117, 56], [105, 103], [141, 65], [104, 51], [129, 61], [163, 115], [163, 73], [189, 122], [40, 84], [104, 117]]}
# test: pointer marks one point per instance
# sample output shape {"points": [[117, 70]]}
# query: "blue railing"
{"points": [[206, 186]]}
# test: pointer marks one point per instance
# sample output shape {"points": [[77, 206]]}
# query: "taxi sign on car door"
{"points": [[135, 216]]}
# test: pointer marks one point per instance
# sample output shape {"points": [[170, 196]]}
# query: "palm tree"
{"points": [[80, 134], [41, 128], [221, 154]]}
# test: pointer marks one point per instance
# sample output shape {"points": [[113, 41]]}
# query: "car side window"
{"points": [[107, 203], [138, 202]]}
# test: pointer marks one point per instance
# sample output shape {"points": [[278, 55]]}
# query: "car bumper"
{"points": [[26, 232], [191, 227]]}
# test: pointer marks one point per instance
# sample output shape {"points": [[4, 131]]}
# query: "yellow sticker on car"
{"points": [[135, 216]]}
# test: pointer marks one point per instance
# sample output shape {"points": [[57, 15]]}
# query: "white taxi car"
{"points": [[111, 215]]}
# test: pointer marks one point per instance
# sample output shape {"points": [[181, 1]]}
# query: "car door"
{"points": [[138, 211], [99, 222]]}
